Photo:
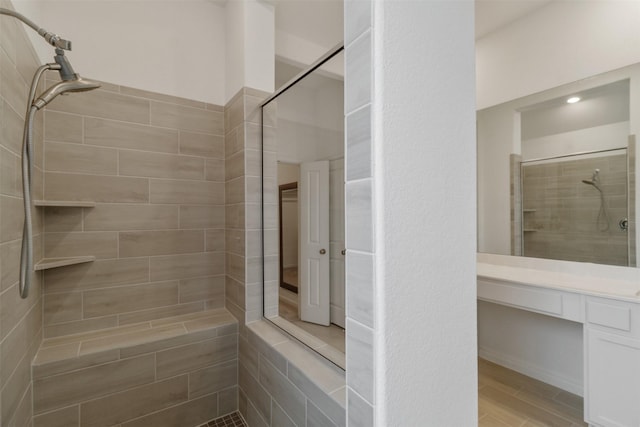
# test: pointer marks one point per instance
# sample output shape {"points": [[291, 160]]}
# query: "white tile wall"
{"points": [[359, 144], [359, 214], [359, 227], [358, 73], [360, 359]]}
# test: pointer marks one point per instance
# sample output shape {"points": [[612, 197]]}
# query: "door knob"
{"points": [[323, 251], [343, 252]]}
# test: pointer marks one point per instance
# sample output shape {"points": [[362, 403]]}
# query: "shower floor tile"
{"points": [[231, 420]]}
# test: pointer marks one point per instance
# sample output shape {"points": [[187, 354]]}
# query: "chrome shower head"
{"points": [[71, 82], [76, 85]]}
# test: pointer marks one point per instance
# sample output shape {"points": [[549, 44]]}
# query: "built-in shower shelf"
{"points": [[64, 204], [47, 263], [528, 210], [529, 230]]}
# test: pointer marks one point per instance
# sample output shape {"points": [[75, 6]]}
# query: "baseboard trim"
{"points": [[337, 315], [554, 378]]}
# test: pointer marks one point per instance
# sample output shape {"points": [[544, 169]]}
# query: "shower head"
{"points": [[71, 82], [592, 182], [595, 180], [78, 84]]}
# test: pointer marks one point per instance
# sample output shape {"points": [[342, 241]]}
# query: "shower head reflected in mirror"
{"points": [[595, 180]]}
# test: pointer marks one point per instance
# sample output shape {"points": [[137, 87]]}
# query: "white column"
{"points": [[411, 213]]}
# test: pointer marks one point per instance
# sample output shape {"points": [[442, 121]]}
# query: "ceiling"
{"points": [[321, 21]]}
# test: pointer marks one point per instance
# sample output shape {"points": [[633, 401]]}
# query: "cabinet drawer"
{"points": [[616, 316], [540, 300]]}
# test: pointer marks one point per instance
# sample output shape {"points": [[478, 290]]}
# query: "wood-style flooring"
{"points": [[288, 309], [508, 398]]}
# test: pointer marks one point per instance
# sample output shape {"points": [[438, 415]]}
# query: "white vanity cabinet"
{"points": [[607, 308], [612, 362]]}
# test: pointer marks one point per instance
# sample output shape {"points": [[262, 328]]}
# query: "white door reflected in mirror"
{"points": [[314, 238]]}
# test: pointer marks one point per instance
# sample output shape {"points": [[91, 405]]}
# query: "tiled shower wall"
{"points": [[20, 320], [275, 388], [560, 212], [155, 167], [515, 201], [243, 213]]}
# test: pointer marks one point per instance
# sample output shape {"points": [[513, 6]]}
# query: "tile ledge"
{"points": [[47, 263], [71, 348], [258, 327], [64, 204]]}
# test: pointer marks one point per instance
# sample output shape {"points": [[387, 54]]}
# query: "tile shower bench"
{"points": [[167, 372], [604, 299]]}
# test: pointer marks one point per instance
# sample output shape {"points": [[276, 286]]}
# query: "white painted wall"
{"points": [[497, 130], [424, 205], [559, 43], [171, 47], [288, 173], [605, 137], [311, 120], [250, 46], [304, 52]]}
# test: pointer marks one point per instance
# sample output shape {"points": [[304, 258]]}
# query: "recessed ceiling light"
{"points": [[573, 100]]}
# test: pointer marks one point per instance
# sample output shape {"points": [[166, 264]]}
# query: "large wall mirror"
{"points": [[557, 170], [303, 205]]}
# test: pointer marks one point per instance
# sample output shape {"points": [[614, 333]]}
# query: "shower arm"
{"points": [[51, 38]]}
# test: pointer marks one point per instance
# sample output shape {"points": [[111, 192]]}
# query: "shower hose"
{"points": [[26, 253], [603, 213]]}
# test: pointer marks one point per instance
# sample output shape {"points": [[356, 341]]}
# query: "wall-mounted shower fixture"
{"points": [[51, 38], [595, 180], [602, 213], [71, 82]]}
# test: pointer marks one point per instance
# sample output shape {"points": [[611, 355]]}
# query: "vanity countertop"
{"points": [[621, 283]]}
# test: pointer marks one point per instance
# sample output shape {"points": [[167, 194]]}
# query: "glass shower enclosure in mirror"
{"points": [[557, 173], [303, 205]]}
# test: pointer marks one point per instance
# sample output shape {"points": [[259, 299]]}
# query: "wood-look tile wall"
{"points": [[243, 282], [515, 201], [20, 319], [288, 386], [176, 380], [561, 213], [154, 164], [284, 384]]}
